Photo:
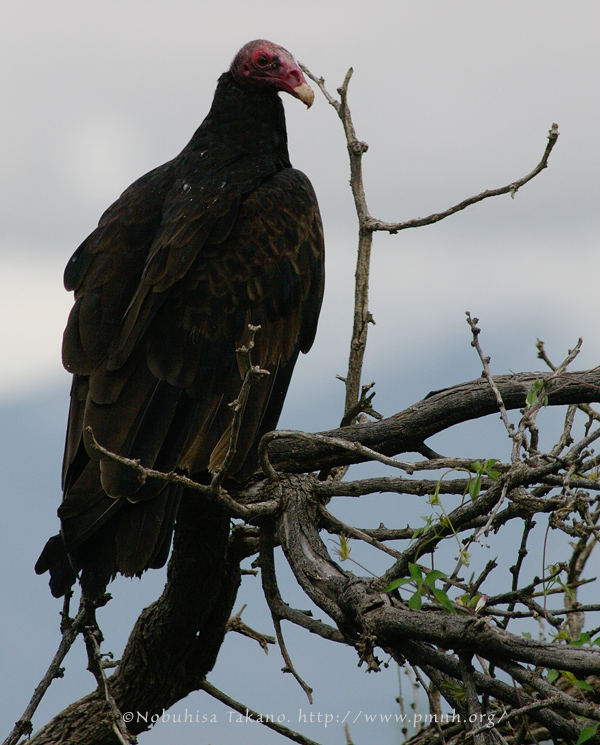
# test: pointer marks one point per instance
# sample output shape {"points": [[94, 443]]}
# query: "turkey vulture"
{"points": [[225, 235]]}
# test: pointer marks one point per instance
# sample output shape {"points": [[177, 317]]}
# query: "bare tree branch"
{"points": [[367, 225], [244, 711], [71, 629], [406, 431]]}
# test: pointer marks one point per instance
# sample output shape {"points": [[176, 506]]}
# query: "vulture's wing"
{"points": [[162, 303]]}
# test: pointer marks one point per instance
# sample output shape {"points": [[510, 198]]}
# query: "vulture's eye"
{"points": [[262, 61]]}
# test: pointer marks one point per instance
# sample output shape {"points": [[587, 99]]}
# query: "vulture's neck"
{"points": [[242, 122]]}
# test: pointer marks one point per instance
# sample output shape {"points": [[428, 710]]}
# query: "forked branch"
{"points": [[367, 225]]}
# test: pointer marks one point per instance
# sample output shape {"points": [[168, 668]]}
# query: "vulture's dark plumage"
{"points": [[225, 235]]}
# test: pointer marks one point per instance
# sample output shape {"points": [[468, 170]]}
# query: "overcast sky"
{"points": [[452, 98]]}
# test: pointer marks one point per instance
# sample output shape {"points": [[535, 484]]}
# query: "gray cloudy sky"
{"points": [[452, 98]]}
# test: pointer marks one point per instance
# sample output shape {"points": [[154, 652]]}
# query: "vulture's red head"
{"points": [[263, 65]]}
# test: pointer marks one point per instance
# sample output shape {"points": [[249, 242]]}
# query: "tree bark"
{"points": [[175, 641], [407, 431]]}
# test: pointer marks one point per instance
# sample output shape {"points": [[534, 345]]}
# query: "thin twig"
{"points": [[349, 740], [367, 225], [353, 446], [473, 705], [521, 711], [485, 361], [218, 493], [252, 375], [362, 316], [592, 413], [236, 624], [511, 189], [281, 610], [334, 524], [289, 666], [93, 636], [70, 631], [363, 406], [249, 714], [531, 409]]}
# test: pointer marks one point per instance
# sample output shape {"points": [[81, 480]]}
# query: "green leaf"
{"points": [[584, 686], [552, 675], [584, 638], [415, 602], [568, 675], [397, 583], [534, 393], [443, 599], [488, 469], [475, 486], [433, 576], [415, 573], [344, 549], [587, 732], [480, 470], [445, 522], [428, 520]]}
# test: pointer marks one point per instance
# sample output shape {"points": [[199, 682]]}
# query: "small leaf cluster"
{"points": [[424, 586]]}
